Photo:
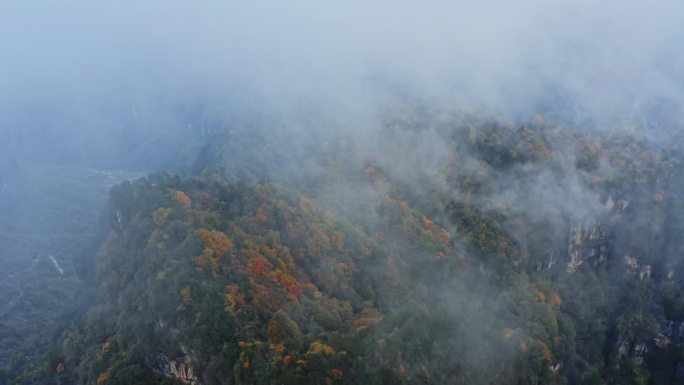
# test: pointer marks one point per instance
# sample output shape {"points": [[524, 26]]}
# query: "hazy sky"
{"points": [[83, 70]]}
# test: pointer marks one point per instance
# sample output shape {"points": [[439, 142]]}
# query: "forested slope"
{"points": [[457, 250]]}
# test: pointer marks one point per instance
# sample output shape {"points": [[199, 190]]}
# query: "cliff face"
{"points": [[587, 243], [179, 368]]}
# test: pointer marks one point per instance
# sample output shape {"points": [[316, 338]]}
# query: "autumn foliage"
{"points": [[216, 245], [186, 295], [160, 215], [183, 199], [234, 298], [259, 266]]}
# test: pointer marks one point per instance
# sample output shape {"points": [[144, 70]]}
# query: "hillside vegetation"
{"points": [[452, 250]]}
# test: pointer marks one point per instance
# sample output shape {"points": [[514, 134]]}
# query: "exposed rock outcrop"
{"points": [[642, 270], [179, 368], [586, 243]]}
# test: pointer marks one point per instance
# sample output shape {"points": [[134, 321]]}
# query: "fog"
{"points": [[289, 91], [78, 76]]}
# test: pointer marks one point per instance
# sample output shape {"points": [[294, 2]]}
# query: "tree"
{"points": [[186, 295], [183, 199], [216, 245]]}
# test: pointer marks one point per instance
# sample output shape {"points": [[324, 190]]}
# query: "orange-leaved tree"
{"points": [[183, 199], [216, 245]]}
